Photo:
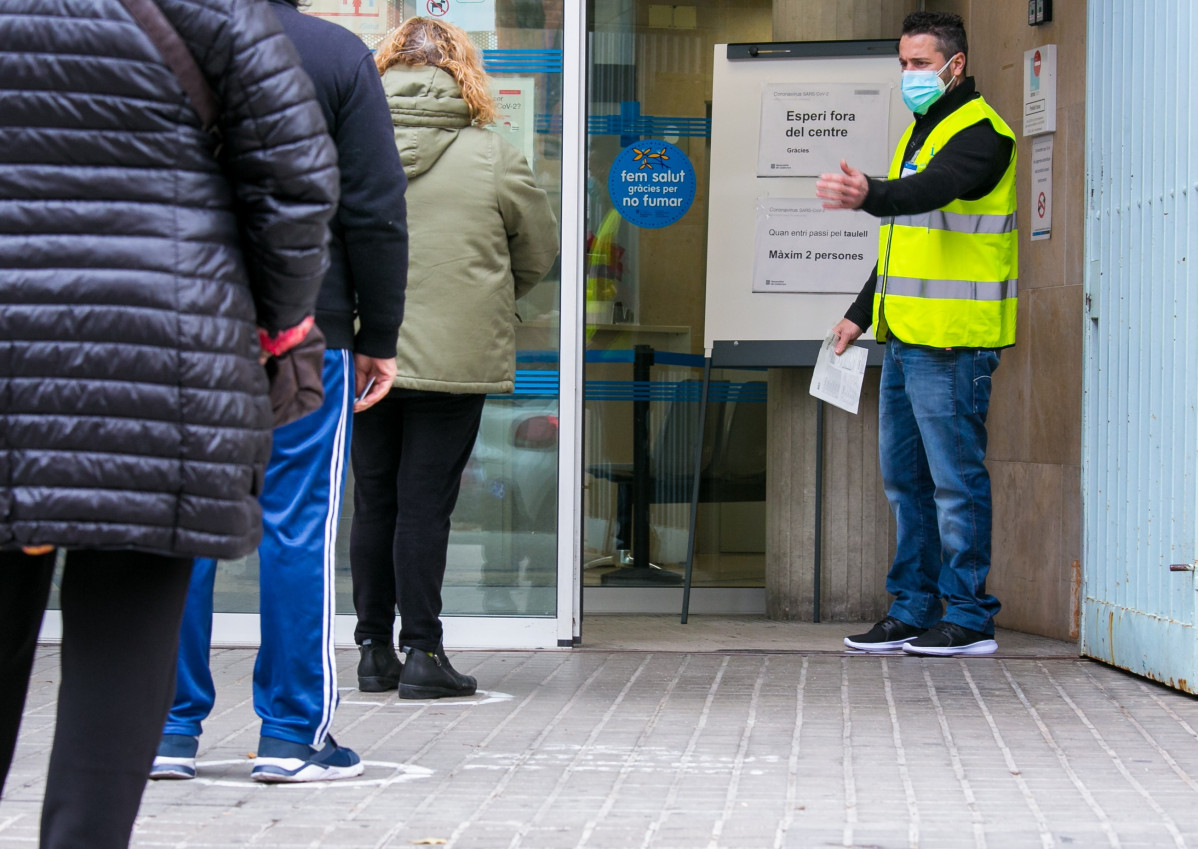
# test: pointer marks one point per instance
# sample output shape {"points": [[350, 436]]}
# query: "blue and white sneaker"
{"points": [[282, 761], [176, 758]]}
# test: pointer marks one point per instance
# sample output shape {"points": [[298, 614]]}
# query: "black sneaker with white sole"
{"points": [[888, 635], [948, 639]]}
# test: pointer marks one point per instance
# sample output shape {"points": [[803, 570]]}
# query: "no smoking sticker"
{"points": [[651, 183]]}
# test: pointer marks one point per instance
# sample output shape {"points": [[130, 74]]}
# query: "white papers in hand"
{"points": [[837, 379]]}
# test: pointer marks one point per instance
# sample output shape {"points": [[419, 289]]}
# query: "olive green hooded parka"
{"points": [[482, 234]]}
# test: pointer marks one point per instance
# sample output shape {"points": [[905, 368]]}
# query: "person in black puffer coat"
{"points": [[359, 311], [135, 271]]}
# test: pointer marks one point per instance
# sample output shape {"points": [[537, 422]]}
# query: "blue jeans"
{"points": [[932, 444]]}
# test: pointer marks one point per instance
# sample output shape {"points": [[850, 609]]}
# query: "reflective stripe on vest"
{"points": [[957, 290], [949, 278], [938, 219]]}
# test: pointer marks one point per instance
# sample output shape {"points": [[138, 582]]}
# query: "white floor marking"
{"points": [[397, 773], [389, 699]]}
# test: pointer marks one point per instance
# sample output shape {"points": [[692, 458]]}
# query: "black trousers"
{"points": [[408, 453], [120, 616]]}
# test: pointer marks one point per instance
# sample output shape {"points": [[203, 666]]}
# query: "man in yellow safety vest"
{"points": [[943, 300]]}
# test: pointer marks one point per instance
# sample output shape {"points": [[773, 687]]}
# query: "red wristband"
{"points": [[283, 341]]}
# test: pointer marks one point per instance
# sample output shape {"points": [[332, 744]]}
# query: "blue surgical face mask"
{"points": [[923, 88]]}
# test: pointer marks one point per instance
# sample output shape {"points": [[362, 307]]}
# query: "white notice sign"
{"points": [[802, 247], [365, 18], [807, 128], [470, 15], [515, 112], [838, 380], [1041, 187], [1040, 90]]}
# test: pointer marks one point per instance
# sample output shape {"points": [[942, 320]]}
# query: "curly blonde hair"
{"points": [[425, 41]]}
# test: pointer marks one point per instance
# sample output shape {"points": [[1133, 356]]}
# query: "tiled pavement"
{"points": [[610, 749]]}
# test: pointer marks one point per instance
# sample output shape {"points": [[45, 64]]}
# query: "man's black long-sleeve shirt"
{"points": [[368, 244], [968, 167]]}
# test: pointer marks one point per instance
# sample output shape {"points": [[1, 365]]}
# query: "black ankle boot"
{"points": [[428, 675], [379, 669]]}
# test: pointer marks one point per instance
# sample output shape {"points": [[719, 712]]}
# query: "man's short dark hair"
{"points": [[948, 30]]}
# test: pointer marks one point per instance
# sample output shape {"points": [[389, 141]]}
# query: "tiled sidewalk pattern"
{"points": [[674, 750]]}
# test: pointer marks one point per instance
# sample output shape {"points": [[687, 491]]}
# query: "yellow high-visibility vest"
{"points": [[605, 260], [604, 272], [949, 278]]}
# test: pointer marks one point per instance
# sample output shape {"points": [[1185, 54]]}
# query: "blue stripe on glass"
{"points": [[534, 356], [549, 124], [522, 61], [648, 126], [544, 383], [751, 392], [541, 383], [613, 356], [667, 358]]}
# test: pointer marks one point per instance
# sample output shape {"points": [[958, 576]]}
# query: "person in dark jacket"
{"points": [[135, 270], [295, 677]]}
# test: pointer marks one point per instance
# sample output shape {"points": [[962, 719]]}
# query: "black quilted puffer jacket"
{"points": [[134, 270]]}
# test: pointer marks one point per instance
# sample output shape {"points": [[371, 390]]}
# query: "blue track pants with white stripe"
{"points": [[295, 676]]}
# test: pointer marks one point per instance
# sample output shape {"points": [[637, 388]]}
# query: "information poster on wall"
{"points": [[470, 15], [365, 18], [807, 128], [1040, 90], [514, 112], [1041, 187], [802, 247]]}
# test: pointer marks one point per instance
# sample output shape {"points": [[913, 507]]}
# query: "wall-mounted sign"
{"points": [[807, 128], [1041, 187], [363, 17], [514, 110], [470, 15], [1040, 90], [651, 183], [802, 247]]}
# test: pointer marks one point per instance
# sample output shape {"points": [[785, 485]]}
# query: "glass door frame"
{"points": [[573, 326]]}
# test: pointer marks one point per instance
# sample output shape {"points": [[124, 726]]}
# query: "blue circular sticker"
{"points": [[652, 183]]}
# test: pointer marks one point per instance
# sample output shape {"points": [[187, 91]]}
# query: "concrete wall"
{"points": [[1035, 418], [827, 20]]}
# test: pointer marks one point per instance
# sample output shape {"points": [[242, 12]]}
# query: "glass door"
{"points": [[649, 82]]}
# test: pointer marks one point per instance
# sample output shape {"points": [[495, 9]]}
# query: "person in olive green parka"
{"points": [[481, 235], [486, 236]]}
